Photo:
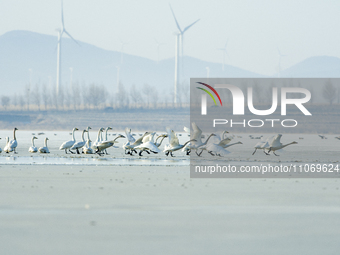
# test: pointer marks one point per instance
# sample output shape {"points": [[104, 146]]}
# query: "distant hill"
{"points": [[315, 67], [22, 50]]}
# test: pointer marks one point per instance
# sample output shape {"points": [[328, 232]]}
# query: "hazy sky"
{"points": [[299, 28]]}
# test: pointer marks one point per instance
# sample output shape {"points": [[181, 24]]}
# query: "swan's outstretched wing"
{"points": [[275, 142], [197, 132], [148, 138], [130, 138], [224, 142], [140, 140], [173, 139]]}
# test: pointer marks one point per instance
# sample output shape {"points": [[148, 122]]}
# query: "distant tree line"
{"points": [[92, 96]]}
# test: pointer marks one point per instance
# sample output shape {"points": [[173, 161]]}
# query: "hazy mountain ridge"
{"points": [[314, 67], [24, 50]]}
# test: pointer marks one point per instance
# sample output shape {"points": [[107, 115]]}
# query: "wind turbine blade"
{"points": [[185, 29], [62, 15], [71, 37], [173, 14]]}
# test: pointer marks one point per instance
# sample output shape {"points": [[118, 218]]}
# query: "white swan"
{"points": [[45, 148], [0, 147], [275, 144], [148, 145], [138, 142], [76, 146], [13, 143], [263, 145], [98, 140], [7, 148], [130, 140], [87, 147], [69, 144], [106, 144], [197, 136], [162, 138], [174, 144], [33, 149], [219, 147], [107, 129]]}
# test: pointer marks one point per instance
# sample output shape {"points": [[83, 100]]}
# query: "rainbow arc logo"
{"points": [[209, 93]]}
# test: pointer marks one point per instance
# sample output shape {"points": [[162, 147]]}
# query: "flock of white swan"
{"points": [[215, 145]]}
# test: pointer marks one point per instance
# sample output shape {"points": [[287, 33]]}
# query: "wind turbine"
{"points": [[60, 35], [224, 53], [179, 51], [176, 65], [158, 46], [71, 76], [118, 70], [280, 56]]}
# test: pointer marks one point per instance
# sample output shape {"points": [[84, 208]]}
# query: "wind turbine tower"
{"points": [[176, 65], [179, 44], [225, 53], [60, 35]]}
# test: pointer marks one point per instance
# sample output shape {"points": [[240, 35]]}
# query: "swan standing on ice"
{"points": [[174, 143], [33, 149], [275, 144], [78, 145], [7, 148], [44, 149], [98, 140], [13, 143], [107, 129], [148, 145], [87, 147], [69, 144]]}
